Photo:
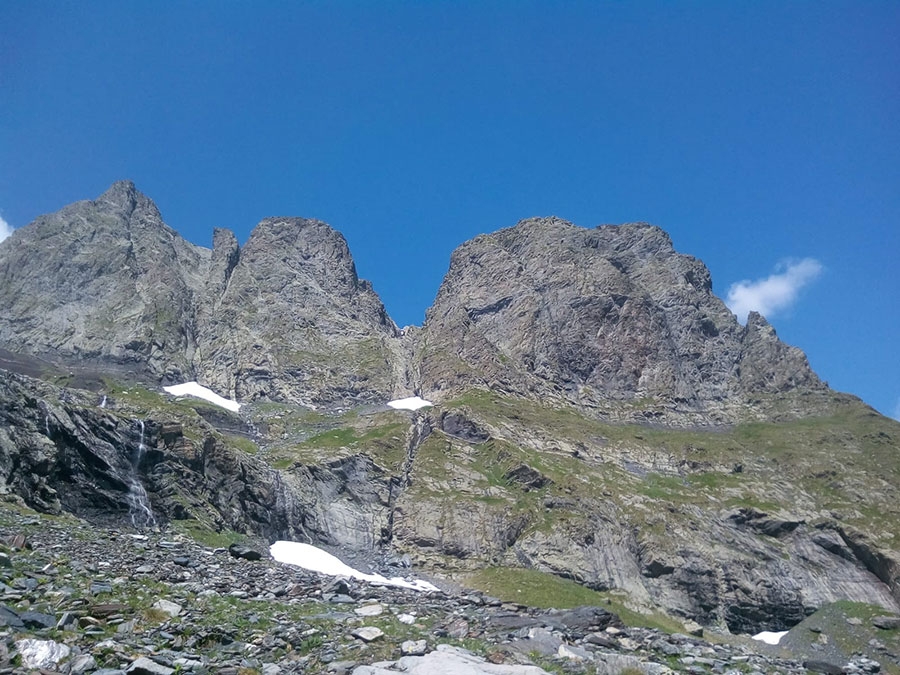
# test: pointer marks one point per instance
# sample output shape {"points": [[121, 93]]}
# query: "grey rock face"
{"points": [[102, 280], [601, 318], [107, 283], [598, 317], [288, 318]]}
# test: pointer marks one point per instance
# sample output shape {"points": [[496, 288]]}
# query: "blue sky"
{"points": [[763, 136]]}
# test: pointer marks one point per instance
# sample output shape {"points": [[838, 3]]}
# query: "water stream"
{"points": [[138, 502]]}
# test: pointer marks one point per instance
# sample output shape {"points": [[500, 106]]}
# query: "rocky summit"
{"points": [[614, 474], [601, 318]]}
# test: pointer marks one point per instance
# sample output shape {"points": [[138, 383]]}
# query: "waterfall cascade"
{"points": [[138, 502]]}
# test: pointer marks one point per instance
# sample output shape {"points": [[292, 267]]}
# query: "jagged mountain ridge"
{"points": [[545, 309], [107, 281], [598, 407]]}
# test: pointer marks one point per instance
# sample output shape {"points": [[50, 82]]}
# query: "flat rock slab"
{"points": [[108, 609], [447, 660], [539, 640], [886, 622], [245, 552], [167, 607], [368, 633], [826, 667], [370, 610], [9, 617], [514, 620], [573, 653], [38, 620], [144, 666], [414, 648]]}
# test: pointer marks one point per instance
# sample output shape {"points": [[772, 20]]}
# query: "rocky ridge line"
{"points": [[606, 319], [106, 283]]}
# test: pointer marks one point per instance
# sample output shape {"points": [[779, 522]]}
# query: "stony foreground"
{"points": [[77, 599]]}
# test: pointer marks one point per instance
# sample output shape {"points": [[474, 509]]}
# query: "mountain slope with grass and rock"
{"points": [[580, 421]]}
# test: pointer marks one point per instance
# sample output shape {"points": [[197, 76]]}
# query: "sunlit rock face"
{"points": [[108, 283], [600, 317], [293, 322], [103, 281]]}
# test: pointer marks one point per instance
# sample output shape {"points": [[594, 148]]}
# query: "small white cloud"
{"points": [[5, 229], [775, 293], [896, 412]]}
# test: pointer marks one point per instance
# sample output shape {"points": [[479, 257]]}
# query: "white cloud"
{"points": [[775, 293], [896, 413], [5, 229]]}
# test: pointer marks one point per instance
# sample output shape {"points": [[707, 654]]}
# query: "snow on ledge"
{"points": [[769, 637], [315, 559], [411, 403], [199, 391]]}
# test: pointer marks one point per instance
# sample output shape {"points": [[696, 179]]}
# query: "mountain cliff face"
{"points": [[103, 280], [600, 415], [600, 318], [287, 318]]}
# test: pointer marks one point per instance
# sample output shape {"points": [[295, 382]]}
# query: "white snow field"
{"points": [[316, 560], [769, 637], [411, 403], [199, 391]]}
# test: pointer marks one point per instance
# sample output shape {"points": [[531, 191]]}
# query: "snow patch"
{"points": [[769, 637], [411, 403], [316, 560], [199, 391]]}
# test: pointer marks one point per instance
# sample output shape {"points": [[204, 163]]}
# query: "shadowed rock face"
{"points": [[612, 314]]}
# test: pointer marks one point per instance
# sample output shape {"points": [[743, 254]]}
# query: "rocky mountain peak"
{"points": [[639, 239], [289, 318], [101, 280], [121, 195], [599, 317], [304, 247]]}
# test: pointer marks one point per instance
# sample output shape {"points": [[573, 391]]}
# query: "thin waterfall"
{"points": [[138, 501], [46, 410]]}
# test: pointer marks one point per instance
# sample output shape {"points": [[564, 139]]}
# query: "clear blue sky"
{"points": [[753, 132]]}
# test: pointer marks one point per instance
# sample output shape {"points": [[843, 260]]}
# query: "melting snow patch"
{"points": [[411, 403], [769, 637], [316, 560], [199, 391]]}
